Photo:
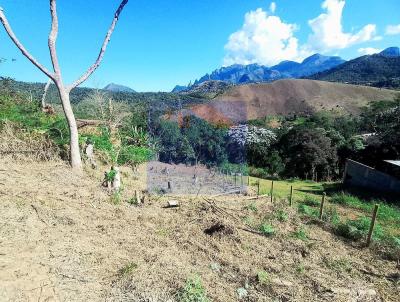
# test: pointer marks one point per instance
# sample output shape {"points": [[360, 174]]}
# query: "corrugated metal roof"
{"points": [[393, 162]]}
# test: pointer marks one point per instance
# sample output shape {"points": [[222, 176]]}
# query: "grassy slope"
{"points": [[349, 206]]}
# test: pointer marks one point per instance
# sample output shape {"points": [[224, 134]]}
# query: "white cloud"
{"points": [[328, 30], [393, 30], [266, 39], [368, 50], [272, 7], [263, 39]]}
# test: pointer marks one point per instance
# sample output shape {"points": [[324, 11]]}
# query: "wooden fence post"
{"points": [[321, 209], [371, 228], [272, 190], [258, 188], [241, 179], [291, 196], [235, 179], [248, 180]]}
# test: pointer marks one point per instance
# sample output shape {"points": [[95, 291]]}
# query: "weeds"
{"points": [[301, 234], [263, 277], [110, 176], [386, 212], [300, 269], [115, 198], [193, 291], [339, 265], [252, 207], [331, 215], [282, 216], [308, 211], [358, 229], [267, 230], [311, 201], [127, 270]]}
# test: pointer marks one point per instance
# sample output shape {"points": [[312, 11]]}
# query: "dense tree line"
{"points": [[309, 147]]}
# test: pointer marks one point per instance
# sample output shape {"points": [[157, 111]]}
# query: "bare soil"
{"points": [[63, 239]]}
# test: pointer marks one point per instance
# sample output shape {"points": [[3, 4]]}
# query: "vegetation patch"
{"points": [[358, 229], [193, 291], [267, 229]]}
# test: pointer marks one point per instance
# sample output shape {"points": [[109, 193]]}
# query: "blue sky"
{"points": [[158, 44]]}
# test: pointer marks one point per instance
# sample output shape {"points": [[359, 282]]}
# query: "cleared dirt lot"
{"points": [[61, 239]]}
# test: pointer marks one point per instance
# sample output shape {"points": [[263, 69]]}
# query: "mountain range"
{"points": [[118, 88], [380, 70], [253, 73]]}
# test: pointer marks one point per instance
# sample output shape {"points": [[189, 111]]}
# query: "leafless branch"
{"points": [[13, 37], [46, 88], [96, 64], [53, 38]]}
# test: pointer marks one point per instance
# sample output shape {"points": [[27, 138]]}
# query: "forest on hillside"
{"points": [[313, 146]]}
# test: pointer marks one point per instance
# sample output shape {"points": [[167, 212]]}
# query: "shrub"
{"points": [[267, 230], [258, 172], [134, 155], [193, 291]]}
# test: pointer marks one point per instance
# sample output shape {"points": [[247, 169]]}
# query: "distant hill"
{"points": [[118, 88], [378, 70], [254, 73], [283, 97], [179, 88]]}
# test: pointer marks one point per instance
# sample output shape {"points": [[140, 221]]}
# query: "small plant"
{"points": [[116, 198], [300, 269], [301, 234], [193, 291], [110, 176], [127, 270], [133, 201], [267, 230], [162, 232], [282, 216], [262, 277], [252, 207]]}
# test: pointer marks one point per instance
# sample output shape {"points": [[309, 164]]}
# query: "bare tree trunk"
{"points": [[75, 155]]}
